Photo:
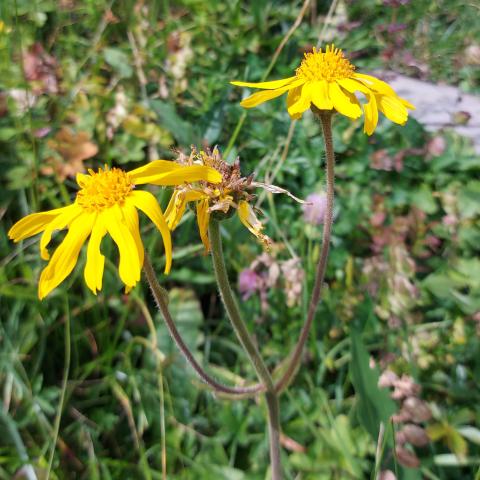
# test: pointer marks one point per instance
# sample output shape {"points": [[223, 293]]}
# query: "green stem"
{"points": [[66, 371], [326, 121], [248, 344], [161, 299], [235, 133], [274, 434], [231, 306]]}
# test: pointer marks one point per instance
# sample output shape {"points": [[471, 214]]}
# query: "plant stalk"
{"points": [[326, 121], [160, 296], [248, 344]]}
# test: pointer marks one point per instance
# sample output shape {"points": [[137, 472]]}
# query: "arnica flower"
{"points": [[107, 202], [328, 81], [220, 199]]}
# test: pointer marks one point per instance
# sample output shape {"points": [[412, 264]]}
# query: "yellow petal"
{"points": [[293, 97], [157, 167], [203, 219], [66, 255], [392, 108], [164, 172], [177, 204], [175, 209], [378, 86], [93, 272], [406, 103], [129, 265], [320, 98], [343, 101], [147, 203], [131, 218], [58, 223], [370, 108], [82, 179], [371, 114], [33, 224], [303, 103], [249, 219], [261, 97], [266, 85], [352, 86]]}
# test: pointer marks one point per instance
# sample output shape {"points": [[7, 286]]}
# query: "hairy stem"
{"points": [[248, 344], [326, 121], [274, 434], [161, 299], [232, 309]]}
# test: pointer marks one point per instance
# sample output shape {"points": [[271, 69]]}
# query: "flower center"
{"points": [[103, 189], [328, 66]]}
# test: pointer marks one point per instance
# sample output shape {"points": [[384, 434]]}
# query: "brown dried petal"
{"points": [[436, 146], [74, 148], [415, 435], [406, 457], [387, 379], [417, 409], [291, 444], [387, 475], [405, 387]]}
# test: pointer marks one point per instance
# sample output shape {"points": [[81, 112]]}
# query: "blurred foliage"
{"points": [[84, 83]]}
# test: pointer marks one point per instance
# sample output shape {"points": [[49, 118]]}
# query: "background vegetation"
{"points": [[93, 82]]}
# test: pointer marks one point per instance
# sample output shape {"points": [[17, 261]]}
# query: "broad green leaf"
{"points": [[374, 404], [423, 199], [183, 131], [119, 61]]}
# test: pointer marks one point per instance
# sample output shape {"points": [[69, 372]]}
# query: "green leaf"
{"points": [[374, 404], [469, 200], [439, 284], [119, 61], [424, 200], [183, 131], [187, 313]]}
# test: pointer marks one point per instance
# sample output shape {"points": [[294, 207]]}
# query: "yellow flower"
{"points": [[107, 202], [215, 199], [328, 81]]}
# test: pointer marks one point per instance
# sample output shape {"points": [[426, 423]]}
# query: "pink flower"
{"points": [[314, 209], [248, 283]]}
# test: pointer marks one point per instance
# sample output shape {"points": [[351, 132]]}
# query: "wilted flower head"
{"points": [[314, 208], [218, 200], [328, 81]]}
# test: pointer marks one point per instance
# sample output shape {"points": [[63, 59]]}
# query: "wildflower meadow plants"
{"points": [[107, 202], [222, 314]]}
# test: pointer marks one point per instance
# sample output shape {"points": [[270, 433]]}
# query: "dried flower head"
{"points": [[220, 200]]}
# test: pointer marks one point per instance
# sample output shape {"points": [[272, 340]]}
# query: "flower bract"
{"points": [[328, 81], [107, 202]]}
